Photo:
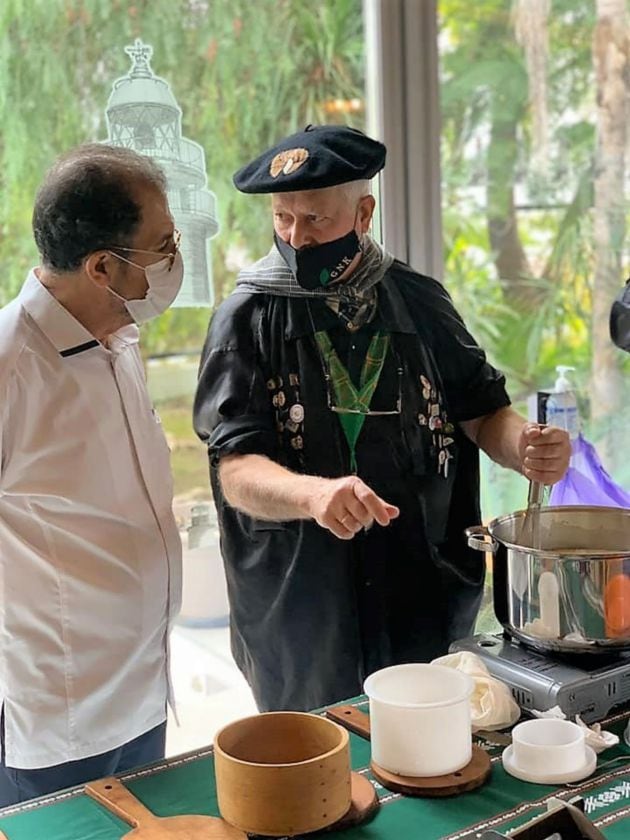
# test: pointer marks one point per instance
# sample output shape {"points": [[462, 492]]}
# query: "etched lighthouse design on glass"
{"points": [[143, 115]]}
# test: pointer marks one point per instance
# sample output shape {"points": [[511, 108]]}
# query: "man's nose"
{"points": [[300, 237]]}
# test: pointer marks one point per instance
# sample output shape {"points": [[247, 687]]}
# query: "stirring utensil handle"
{"points": [[530, 525], [535, 494], [113, 795]]}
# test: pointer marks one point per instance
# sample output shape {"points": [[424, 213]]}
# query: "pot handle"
{"points": [[479, 537]]}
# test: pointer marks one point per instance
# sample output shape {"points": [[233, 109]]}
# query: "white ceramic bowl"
{"points": [[420, 719]]}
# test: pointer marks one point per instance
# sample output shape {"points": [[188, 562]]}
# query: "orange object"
{"points": [[617, 606]]}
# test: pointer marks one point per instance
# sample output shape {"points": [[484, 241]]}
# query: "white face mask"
{"points": [[165, 281]]}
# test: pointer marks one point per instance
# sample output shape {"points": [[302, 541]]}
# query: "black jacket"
{"points": [[312, 615]]}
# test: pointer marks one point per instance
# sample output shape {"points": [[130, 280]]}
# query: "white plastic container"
{"points": [[420, 719], [544, 746]]}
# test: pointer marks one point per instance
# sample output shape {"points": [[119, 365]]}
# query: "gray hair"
{"points": [[355, 190]]}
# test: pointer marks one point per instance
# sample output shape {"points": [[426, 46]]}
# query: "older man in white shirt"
{"points": [[90, 556]]}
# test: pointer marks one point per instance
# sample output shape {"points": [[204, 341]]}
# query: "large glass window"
{"points": [[243, 74], [534, 198], [534, 187]]}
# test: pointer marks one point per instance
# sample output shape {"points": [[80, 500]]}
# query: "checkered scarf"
{"points": [[352, 299]]}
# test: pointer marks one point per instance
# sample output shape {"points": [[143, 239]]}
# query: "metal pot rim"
{"points": [[554, 554]]}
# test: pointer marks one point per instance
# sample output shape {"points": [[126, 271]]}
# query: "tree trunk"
{"points": [[610, 60], [509, 106], [509, 255], [532, 32]]}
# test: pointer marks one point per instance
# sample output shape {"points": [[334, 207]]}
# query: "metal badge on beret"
{"points": [[287, 162]]}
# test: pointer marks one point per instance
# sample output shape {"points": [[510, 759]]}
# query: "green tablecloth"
{"points": [[185, 785]]}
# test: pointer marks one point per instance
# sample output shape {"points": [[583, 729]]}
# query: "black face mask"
{"points": [[620, 319], [317, 266]]}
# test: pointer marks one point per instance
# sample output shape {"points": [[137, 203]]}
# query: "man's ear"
{"points": [[98, 267], [366, 211]]}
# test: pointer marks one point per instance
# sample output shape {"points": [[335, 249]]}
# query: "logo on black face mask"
{"points": [[327, 277], [319, 265]]}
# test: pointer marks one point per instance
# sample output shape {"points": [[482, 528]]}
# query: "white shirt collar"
{"points": [[66, 334]]}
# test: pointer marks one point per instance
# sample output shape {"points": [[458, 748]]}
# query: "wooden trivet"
{"points": [[364, 803], [352, 719], [472, 776]]}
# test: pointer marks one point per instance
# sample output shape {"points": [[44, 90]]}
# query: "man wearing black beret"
{"points": [[343, 403]]}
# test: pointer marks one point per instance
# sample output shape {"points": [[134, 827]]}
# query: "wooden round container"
{"points": [[282, 773]]}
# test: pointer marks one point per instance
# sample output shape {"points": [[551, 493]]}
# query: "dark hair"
{"points": [[88, 201]]}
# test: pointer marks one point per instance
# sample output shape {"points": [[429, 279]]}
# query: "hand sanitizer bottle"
{"points": [[562, 408]]}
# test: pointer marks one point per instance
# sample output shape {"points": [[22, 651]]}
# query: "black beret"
{"points": [[320, 156]]}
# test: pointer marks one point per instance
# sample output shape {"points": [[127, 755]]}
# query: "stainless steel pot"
{"points": [[569, 594]]}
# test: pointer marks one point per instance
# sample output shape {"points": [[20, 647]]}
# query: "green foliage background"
{"points": [[531, 320], [246, 72]]}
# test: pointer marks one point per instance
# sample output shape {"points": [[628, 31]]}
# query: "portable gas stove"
{"points": [[588, 685]]}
